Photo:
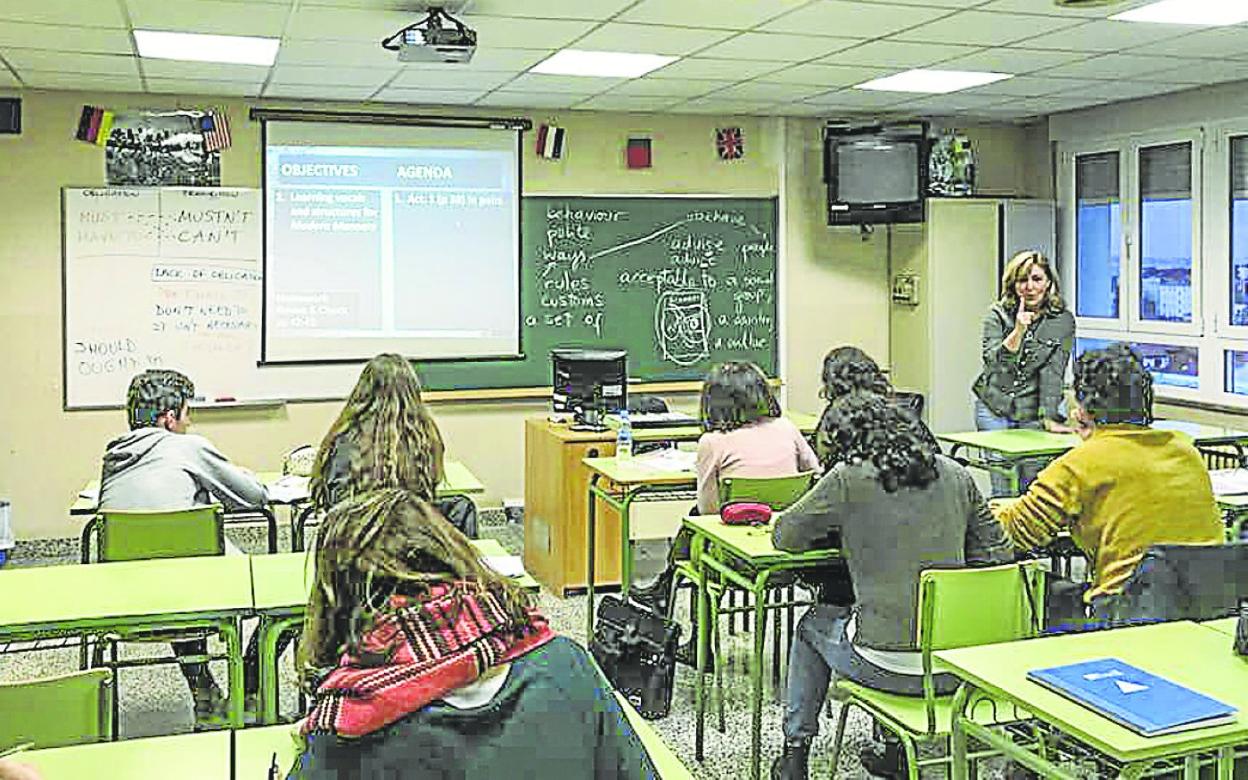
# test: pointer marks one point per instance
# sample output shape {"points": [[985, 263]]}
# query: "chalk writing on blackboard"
{"points": [[682, 324]]}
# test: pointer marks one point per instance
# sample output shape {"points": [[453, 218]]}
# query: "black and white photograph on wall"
{"points": [[152, 149]]}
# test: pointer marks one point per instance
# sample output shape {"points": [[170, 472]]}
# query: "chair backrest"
{"points": [[299, 461], [57, 711], [1183, 582], [138, 534], [910, 401], [976, 606], [776, 492]]}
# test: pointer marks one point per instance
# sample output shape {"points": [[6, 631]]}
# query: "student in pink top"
{"points": [[746, 436]]}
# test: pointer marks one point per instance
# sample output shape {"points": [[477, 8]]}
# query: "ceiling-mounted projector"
{"points": [[438, 37]]}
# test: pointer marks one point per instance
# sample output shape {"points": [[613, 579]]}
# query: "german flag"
{"points": [[94, 125]]}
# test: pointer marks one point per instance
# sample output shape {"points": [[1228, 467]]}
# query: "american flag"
{"points": [[216, 131]]}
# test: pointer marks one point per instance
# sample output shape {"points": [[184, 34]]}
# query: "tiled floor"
{"points": [[155, 699]]}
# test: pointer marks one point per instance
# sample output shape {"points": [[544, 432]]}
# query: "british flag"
{"points": [[216, 131], [729, 143]]}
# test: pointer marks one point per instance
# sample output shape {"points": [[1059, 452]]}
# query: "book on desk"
{"points": [[1145, 703]]}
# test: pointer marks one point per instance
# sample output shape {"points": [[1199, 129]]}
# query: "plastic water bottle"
{"points": [[624, 437]]}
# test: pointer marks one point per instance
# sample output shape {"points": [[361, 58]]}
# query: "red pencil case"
{"points": [[745, 513]]}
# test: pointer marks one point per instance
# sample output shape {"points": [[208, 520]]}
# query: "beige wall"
{"points": [[833, 284]]}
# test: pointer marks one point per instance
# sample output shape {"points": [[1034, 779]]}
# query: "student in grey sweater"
{"points": [[895, 507], [158, 465]]}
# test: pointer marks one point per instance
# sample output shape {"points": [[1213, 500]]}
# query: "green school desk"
{"points": [[1002, 451], [130, 598], [1222, 626], [203, 756], [280, 585], [713, 547], [257, 750], [665, 761], [1184, 652], [626, 480], [86, 502], [457, 480]]}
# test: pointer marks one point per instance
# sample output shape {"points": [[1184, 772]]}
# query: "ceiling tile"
{"points": [[725, 107], [345, 77], [203, 71], [627, 103], [577, 85], [40, 79], [431, 97], [1030, 86], [827, 76], [757, 90], [986, 29], [898, 54], [957, 5], [545, 9], [318, 92], [526, 33], [529, 99], [335, 53], [858, 98], [1119, 66], [1053, 105], [778, 47], [952, 102], [65, 38], [721, 70], [1052, 9], [709, 13], [1017, 61], [74, 12], [69, 62], [7, 79], [350, 24], [204, 87], [659, 87], [1104, 35], [209, 16], [800, 109], [450, 79], [854, 20], [1213, 43], [649, 39], [1205, 72]]}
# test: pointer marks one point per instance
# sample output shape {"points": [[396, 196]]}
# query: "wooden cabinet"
{"points": [[556, 488]]}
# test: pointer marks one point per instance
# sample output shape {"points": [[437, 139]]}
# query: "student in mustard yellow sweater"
{"points": [[1125, 488]]}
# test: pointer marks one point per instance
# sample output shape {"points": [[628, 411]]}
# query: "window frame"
{"points": [[1204, 349], [1218, 245], [1069, 242]]}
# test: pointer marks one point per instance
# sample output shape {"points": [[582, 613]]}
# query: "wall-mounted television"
{"points": [[876, 173]]}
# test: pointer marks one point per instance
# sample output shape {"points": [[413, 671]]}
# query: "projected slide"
{"points": [[373, 248]]}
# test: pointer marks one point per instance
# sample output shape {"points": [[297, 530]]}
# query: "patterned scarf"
{"points": [[427, 648]]}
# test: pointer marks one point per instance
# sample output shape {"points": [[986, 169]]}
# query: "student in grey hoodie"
{"points": [[158, 465]]}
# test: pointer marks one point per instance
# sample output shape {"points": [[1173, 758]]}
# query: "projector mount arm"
{"points": [[431, 23]]}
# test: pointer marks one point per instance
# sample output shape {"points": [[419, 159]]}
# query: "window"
{"points": [[1165, 233], [1239, 235], [1170, 364], [1098, 230], [1235, 376]]}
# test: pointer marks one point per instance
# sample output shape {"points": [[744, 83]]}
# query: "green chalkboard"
{"points": [[681, 283]]}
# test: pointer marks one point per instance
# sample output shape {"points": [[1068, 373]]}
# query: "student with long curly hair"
{"points": [[895, 506], [383, 437], [1125, 488], [427, 664]]}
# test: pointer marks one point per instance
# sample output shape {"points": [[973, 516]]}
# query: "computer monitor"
{"points": [[594, 380]]}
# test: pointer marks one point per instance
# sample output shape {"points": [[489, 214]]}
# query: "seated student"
{"points": [[158, 465], [383, 437], [848, 369], [1125, 488], [426, 664], [746, 436], [896, 506]]}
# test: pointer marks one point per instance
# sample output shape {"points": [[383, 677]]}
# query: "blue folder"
{"points": [[1143, 702]]}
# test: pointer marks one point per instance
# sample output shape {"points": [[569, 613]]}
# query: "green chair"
{"points": [[957, 608], [56, 711], [131, 535], [778, 493]]}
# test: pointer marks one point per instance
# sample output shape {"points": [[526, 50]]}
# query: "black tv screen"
{"points": [[875, 174]]}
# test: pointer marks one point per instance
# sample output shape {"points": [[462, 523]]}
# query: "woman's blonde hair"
{"points": [[392, 438], [1018, 267], [380, 544]]}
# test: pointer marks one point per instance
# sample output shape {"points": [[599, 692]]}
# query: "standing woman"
{"points": [[1028, 336]]}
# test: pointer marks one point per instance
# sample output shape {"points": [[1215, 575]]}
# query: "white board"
{"points": [[170, 277]]}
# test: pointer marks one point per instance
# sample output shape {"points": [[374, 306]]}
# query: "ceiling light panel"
{"points": [[937, 82], [604, 64], [1217, 13], [233, 49]]}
